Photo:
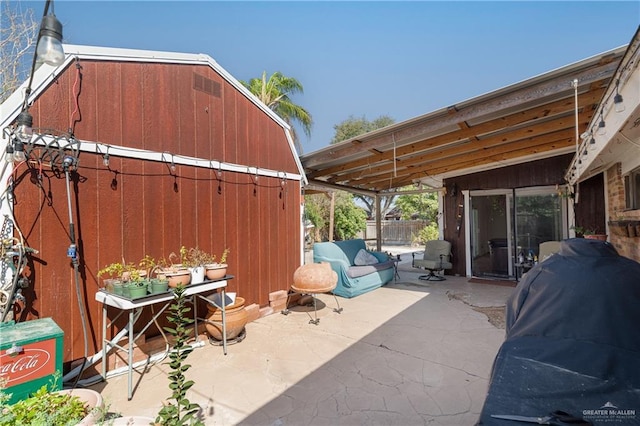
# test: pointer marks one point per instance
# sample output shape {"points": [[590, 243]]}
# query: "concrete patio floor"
{"points": [[410, 353]]}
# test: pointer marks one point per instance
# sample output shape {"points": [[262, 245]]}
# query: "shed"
{"points": [[166, 150]]}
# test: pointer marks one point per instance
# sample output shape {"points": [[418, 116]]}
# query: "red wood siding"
{"points": [[136, 208]]}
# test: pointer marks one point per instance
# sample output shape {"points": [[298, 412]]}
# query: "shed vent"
{"points": [[206, 85]]}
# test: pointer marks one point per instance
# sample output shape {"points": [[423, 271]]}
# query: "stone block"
{"points": [[253, 312]]}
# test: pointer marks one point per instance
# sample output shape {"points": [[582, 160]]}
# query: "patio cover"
{"points": [[526, 121]]}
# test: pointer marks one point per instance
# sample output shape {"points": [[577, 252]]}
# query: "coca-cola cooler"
{"points": [[30, 355]]}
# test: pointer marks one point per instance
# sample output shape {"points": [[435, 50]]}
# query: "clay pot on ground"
{"points": [[91, 399], [236, 319], [314, 278]]}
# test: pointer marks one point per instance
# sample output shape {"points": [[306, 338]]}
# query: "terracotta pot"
{"points": [[601, 237], [314, 278], [91, 399], [176, 278], [236, 319], [132, 421], [216, 272]]}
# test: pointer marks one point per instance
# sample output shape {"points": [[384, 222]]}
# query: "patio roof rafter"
{"points": [[526, 121]]}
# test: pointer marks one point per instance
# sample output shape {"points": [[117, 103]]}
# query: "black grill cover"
{"points": [[572, 339]]}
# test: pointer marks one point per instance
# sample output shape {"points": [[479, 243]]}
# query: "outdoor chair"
{"points": [[547, 248], [437, 258]]}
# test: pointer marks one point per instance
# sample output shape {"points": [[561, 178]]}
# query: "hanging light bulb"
{"points": [[8, 155], [592, 144], [49, 48], [172, 166], [24, 127], [105, 159], [601, 125], [18, 153], [617, 99]]}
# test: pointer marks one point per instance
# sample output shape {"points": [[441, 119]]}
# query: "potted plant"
{"points": [[216, 270], [113, 284], [195, 259], [181, 411], [45, 407], [174, 270]]}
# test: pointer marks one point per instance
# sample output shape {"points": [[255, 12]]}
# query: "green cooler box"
{"points": [[30, 355]]}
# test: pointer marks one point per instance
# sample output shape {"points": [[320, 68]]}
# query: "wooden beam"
{"points": [[474, 111]]}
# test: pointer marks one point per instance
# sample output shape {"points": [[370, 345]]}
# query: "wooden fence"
{"points": [[399, 232]]}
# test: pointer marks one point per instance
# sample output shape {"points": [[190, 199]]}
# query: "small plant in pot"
{"points": [[174, 271], [195, 259], [113, 282], [216, 270], [181, 411], [46, 407]]}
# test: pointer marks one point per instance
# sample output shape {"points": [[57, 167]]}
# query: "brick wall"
{"points": [[626, 246]]}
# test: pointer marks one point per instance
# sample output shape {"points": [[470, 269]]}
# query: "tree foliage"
{"points": [[422, 206], [275, 92], [349, 219], [419, 206], [351, 128], [18, 32]]}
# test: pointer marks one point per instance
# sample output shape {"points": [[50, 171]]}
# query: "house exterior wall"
{"points": [[134, 207], [544, 172], [627, 246]]}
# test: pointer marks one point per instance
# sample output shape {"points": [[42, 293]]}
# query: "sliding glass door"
{"points": [[490, 223], [539, 216], [505, 223]]}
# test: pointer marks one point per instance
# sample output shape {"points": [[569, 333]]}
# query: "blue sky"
{"points": [[402, 59]]}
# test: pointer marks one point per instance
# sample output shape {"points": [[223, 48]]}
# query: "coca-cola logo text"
{"points": [[36, 360]]}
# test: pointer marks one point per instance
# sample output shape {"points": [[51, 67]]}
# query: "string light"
{"points": [[601, 125], [105, 158], [617, 99]]}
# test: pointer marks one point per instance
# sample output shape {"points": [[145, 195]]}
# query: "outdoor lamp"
{"points": [[592, 143], [49, 48], [8, 156], [601, 126], [24, 127], [617, 99], [18, 151]]}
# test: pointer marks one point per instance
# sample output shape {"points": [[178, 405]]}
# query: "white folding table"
{"points": [[134, 307]]}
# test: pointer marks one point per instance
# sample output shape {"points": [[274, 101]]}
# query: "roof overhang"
{"points": [[620, 141], [529, 120], [45, 74]]}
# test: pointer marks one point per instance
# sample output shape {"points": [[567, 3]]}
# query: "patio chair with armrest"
{"points": [[437, 258], [548, 248]]}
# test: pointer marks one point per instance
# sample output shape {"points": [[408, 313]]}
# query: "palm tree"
{"points": [[274, 93]]}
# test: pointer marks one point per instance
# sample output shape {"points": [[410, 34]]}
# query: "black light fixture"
{"points": [[48, 50], [617, 99], [24, 127], [601, 125], [592, 143]]}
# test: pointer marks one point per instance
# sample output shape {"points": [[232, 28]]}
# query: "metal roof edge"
{"points": [[566, 69], [45, 74]]}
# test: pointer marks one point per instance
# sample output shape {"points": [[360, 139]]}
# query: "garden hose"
{"points": [[72, 253]]}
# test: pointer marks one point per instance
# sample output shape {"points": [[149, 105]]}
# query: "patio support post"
{"points": [[331, 214], [378, 225]]}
